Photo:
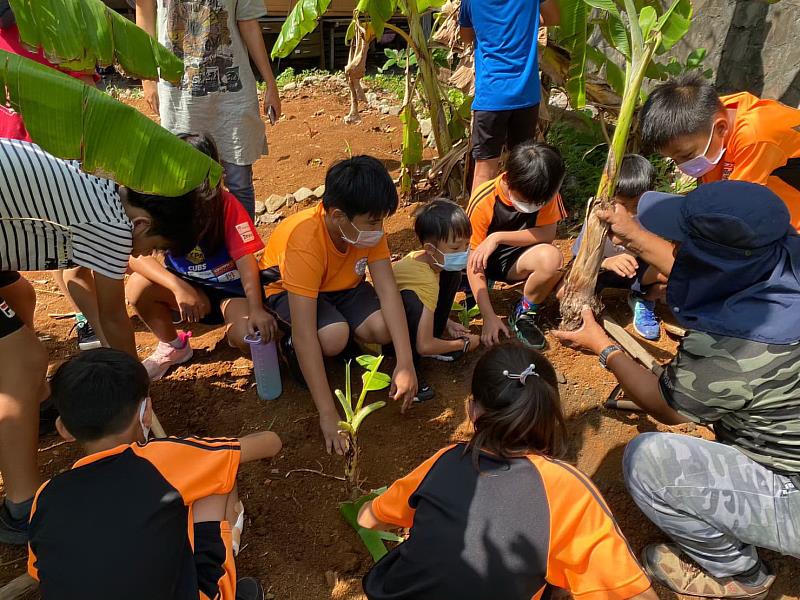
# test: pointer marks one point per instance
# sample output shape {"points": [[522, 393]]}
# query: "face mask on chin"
{"points": [[364, 239], [700, 165]]}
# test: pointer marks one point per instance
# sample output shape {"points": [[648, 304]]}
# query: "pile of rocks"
{"points": [[270, 210]]}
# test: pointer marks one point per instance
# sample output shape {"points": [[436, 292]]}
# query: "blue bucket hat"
{"points": [[737, 271]]}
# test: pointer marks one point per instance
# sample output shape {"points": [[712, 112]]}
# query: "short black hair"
{"points": [[360, 186], [682, 106], [637, 175], [98, 392], [441, 220], [535, 171]]}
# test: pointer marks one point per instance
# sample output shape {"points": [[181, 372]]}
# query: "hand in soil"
{"points": [[455, 330], [492, 329], [404, 386], [591, 337], [335, 438]]}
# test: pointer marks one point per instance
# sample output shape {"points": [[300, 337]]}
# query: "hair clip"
{"points": [[522, 377]]}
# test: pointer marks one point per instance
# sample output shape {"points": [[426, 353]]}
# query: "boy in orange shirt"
{"points": [[316, 262], [740, 136]]}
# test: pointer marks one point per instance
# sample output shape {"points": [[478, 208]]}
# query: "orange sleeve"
{"points": [[392, 506], [303, 265], [33, 571], [196, 467], [756, 162], [379, 251], [552, 212], [480, 217], [585, 539]]}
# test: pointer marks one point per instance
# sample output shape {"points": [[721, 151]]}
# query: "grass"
{"points": [[289, 75], [388, 82]]}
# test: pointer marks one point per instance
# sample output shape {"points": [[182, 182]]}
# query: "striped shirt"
{"points": [[55, 216]]}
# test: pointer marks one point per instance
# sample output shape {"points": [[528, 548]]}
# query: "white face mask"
{"points": [[524, 207], [364, 239], [142, 409], [700, 165]]}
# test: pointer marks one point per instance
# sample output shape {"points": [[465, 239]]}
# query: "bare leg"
{"points": [[154, 304], [62, 285], [235, 311], [484, 171], [333, 338], [540, 268], [80, 287], [21, 296], [373, 330]]}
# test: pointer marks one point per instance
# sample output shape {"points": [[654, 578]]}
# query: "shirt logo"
{"points": [[196, 256], [6, 310], [245, 232], [361, 266], [727, 169]]}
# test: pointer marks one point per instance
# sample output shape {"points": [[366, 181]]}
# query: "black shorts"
{"points": [[353, 306], [216, 296], [491, 130], [501, 260], [9, 321]]}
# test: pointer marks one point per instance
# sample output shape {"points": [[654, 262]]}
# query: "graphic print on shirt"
{"points": [[198, 34]]}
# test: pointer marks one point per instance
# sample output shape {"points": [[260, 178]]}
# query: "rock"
{"points": [[310, 80], [290, 86], [268, 218], [261, 208], [372, 97], [395, 110], [560, 377], [275, 202], [425, 127], [290, 200], [319, 192], [303, 194], [383, 109]]}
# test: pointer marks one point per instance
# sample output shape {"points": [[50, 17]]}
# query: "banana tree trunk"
{"points": [[351, 462], [582, 279]]}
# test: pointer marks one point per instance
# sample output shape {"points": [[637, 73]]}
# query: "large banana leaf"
{"points": [[373, 539], [81, 34], [74, 121], [301, 21]]}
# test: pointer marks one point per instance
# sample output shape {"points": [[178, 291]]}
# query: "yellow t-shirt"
{"points": [[417, 276]]}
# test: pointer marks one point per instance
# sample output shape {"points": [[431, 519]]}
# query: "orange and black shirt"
{"points": [[508, 530], [119, 523], [490, 210], [764, 147]]}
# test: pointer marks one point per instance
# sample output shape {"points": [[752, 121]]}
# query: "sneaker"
{"points": [[424, 393], [87, 338], [167, 356], [664, 563], [290, 358], [13, 532], [451, 356], [644, 317], [523, 324], [248, 588]]}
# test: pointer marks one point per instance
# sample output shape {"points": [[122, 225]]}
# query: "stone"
{"points": [[319, 192], [275, 202], [383, 109], [372, 97], [268, 218], [395, 110], [425, 127], [560, 377], [303, 194], [290, 86], [261, 208]]}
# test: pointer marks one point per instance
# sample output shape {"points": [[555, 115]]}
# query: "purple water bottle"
{"points": [[265, 366]]}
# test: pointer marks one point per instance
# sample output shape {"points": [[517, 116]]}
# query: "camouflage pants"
{"points": [[713, 501]]}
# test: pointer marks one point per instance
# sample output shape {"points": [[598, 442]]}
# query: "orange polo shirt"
{"points": [[764, 147]]}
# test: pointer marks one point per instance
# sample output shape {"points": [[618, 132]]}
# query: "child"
{"points": [[54, 216], [317, 261], [499, 517], [620, 269], [428, 280], [217, 282], [739, 137], [514, 221], [134, 519]]}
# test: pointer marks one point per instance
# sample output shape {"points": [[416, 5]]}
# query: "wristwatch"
{"points": [[606, 352]]}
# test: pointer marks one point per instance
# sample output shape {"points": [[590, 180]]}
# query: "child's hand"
{"points": [[335, 439], [455, 330], [259, 320], [474, 341], [492, 328], [479, 258], [192, 304], [623, 265], [404, 386]]}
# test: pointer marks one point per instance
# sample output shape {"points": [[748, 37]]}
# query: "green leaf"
{"points": [[301, 21], [637, 39], [614, 75], [379, 12], [474, 311], [696, 57], [348, 391], [81, 35], [365, 388], [75, 121], [616, 34], [574, 24], [389, 536], [647, 20], [345, 426], [674, 24], [368, 361], [345, 402], [412, 137], [606, 5], [372, 539], [366, 411], [378, 381]]}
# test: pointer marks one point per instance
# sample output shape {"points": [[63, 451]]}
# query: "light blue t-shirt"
{"points": [[506, 60]]}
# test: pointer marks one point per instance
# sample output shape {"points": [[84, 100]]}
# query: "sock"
{"points": [[19, 510], [755, 576], [79, 318], [178, 343]]}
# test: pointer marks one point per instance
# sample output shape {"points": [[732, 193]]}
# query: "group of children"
{"points": [[310, 289]]}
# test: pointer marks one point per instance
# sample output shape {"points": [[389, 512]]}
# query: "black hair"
{"points": [[637, 175], [98, 392], [360, 186], [441, 220], [535, 171], [682, 106], [516, 417]]}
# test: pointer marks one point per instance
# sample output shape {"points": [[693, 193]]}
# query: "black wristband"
{"points": [[606, 352]]}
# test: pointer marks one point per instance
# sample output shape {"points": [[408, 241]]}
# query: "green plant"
{"points": [[465, 315], [372, 380], [388, 82], [373, 539], [694, 62], [398, 58]]}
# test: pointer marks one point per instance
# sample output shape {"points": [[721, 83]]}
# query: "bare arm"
{"points": [[146, 19], [550, 12], [253, 38], [652, 249], [648, 594], [113, 314], [148, 266], [264, 444], [368, 520], [467, 35], [527, 237], [427, 344]]}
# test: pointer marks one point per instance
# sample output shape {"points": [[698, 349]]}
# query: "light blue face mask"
{"points": [[452, 261]]}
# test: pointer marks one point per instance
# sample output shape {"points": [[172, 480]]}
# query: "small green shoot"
{"points": [[465, 315], [373, 539]]}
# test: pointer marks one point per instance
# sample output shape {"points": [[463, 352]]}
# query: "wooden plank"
{"points": [[19, 587], [631, 346]]}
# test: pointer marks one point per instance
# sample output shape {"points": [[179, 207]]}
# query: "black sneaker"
{"points": [[13, 532], [424, 393], [87, 338], [290, 358], [248, 588], [523, 324]]}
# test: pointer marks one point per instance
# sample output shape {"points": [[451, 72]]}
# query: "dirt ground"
{"points": [[294, 539]]}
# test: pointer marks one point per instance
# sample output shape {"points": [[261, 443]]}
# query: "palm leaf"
{"points": [[574, 28], [301, 21], [379, 11], [79, 35], [674, 24], [74, 121]]}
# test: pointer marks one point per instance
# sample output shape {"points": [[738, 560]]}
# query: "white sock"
{"points": [[177, 343]]}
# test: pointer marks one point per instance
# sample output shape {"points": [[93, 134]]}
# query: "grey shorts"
{"points": [[353, 306]]}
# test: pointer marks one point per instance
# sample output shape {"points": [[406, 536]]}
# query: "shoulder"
{"points": [[566, 485], [481, 197]]}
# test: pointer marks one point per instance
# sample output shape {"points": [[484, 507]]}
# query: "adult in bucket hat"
{"points": [[733, 263]]}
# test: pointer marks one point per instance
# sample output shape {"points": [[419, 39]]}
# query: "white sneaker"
{"points": [[167, 356]]}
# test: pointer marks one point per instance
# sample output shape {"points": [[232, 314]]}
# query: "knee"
{"points": [[374, 330], [640, 459], [549, 260], [136, 290], [333, 338]]}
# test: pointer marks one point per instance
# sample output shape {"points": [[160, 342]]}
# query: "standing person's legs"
{"points": [[714, 502], [239, 181], [489, 132], [522, 126], [79, 283]]}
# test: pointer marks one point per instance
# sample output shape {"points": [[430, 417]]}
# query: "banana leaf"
{"points": [[378, 381], [74, 121], [301, 21], [79, 35], [372, 539], [366, 411]]}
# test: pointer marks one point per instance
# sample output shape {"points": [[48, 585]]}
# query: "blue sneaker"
{"points": [[644, 317], [523, 324]]}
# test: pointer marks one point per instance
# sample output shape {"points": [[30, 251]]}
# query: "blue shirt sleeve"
{"points": [[465, 14]]}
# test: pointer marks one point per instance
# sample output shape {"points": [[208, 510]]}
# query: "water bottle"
{"points": [[265, 366]]}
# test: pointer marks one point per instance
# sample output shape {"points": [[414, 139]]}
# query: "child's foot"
{"points": [[290, 358], [248, 588], [87, 338], [167, 356], [644, 317], [12, 531], [523, 323]]}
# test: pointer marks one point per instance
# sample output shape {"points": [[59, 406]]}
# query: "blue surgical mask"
{"points": [[364, 239], [700, 165], [452, 261]]}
